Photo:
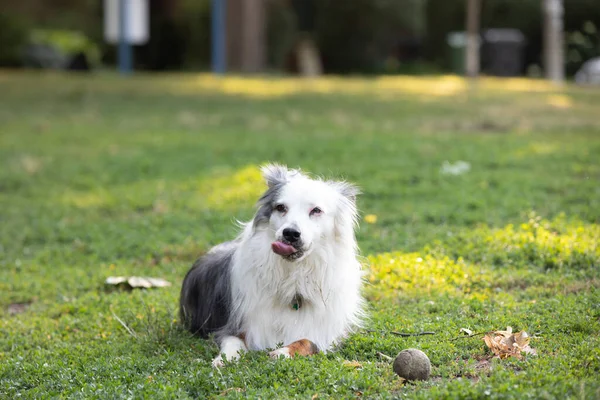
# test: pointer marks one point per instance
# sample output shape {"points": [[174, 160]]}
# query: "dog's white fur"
{"points": [[327, 276]]}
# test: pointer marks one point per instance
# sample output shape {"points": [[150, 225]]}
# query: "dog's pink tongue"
{"points": [[282, 249]]}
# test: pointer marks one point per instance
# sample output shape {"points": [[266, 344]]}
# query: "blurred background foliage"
{"points": [[359, 36]]}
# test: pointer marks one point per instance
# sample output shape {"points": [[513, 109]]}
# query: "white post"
{"points": [[554, 63]]}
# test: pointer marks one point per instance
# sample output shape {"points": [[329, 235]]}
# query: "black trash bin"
{"points": [[503, 52]]}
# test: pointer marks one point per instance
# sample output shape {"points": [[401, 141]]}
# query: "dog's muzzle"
{"points": [[290, 245], [288, 249]]}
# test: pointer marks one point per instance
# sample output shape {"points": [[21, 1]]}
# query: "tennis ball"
{"points": [[412, 364]]}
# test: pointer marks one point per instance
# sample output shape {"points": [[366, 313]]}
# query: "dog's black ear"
{"points": [[347, 190], [276, 174]]}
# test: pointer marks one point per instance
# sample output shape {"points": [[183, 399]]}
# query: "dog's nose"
{"points": [[291, 234]]}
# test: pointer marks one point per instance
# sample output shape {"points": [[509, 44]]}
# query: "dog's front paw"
{"points": [[218, 362], [284, 351]]}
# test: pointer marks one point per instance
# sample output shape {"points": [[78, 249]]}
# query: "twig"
{"points": [[403, 334], [385, 357], [411, 334], [128, 329]]}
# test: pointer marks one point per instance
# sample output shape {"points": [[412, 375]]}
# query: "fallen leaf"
{"points": [[115, 280], [466, 331], [506, 344], [506, 333], [384, 356], [352, 364], [137, 282], [522, 339]]}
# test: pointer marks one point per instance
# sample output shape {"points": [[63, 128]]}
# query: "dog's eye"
{"points": [[280, 208], [316, 211]]}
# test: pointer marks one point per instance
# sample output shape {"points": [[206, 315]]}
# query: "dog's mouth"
{"points": [[283, 248], [286, 250]]}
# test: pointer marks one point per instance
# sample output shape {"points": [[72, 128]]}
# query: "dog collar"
{"points": [[296, 302]]}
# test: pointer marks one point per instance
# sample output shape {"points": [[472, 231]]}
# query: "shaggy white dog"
{"points": [[291, 277]]}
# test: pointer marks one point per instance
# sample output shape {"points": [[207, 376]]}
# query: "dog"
{"points": [[292, 277]]}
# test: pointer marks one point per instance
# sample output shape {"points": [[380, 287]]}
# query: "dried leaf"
{"points": [[115, 280], [505, 344], [352, 364], [506, 333], [384, 356], [522, 339], [466, 331], [137, 282]]}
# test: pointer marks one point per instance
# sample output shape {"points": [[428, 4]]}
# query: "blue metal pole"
{"points": [[218, 36], [125, 51]]}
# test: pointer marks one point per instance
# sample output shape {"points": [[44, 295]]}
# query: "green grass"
{"points": [[102, 176]]}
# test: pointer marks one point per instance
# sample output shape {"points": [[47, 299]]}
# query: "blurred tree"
{"points": [[306, 51], [554, 60], [472, 51], [246, 35], [253, 36]]}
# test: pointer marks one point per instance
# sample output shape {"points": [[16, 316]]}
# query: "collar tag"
{"points": [[296, 303]]}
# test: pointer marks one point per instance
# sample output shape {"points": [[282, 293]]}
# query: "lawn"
{"points": [[102, 176]]}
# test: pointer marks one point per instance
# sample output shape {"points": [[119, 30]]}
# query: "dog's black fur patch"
{"points": [[266, 204], [206, 291], [204, 304]]}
